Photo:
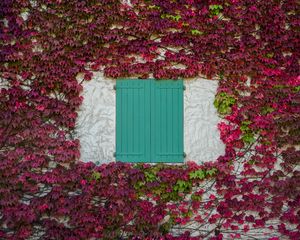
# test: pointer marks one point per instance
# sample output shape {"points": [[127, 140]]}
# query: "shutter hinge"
{"points": [[115, 87], [184, 87], [184, 155], [114, 154]]}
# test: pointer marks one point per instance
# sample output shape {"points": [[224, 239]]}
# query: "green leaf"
{"points": [[252, 162], [215, 9], [139, 185], [248, 138], [172, 17], [223, 103], [153, 7], [280, 86], [297, 89], [246, 122], [96, 175], [196, 32], [245, 126], [150, 176], [177, 17], [200, 174], [165, 228], [181, 186], [211, 172], [267, 109], [196, 197], [267, 143]]}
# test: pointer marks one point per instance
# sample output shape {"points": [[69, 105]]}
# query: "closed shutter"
{"points": [[167, 121], [149, 121], [133, 121]]}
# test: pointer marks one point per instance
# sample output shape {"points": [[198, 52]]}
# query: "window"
{"points": [[149, 121]]}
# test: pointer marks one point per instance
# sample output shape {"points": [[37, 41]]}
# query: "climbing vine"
{"points": [[49, 47]]}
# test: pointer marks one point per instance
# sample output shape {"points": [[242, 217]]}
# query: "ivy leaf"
{"points": [[200, 174], [211, 172], [150, 176], [196, 32], [96, 175], [248, 138], [181, 186], [223, 103], [215, 9], [267, 109], [245, 126], [172, 17], [297, 89]]}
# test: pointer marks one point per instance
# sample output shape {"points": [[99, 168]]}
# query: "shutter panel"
{"points": [[167, 121], [133, 121]]}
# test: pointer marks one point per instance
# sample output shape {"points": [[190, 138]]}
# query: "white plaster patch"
{"points": [[96, 121], [201, 136]]}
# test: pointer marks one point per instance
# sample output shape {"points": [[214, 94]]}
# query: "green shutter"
{"points": [[149, 121], [133, 121], [167, 121]]}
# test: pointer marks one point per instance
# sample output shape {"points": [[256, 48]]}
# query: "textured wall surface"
{"points": [[96, 121], [201, 136]]}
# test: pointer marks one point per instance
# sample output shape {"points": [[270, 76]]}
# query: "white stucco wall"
{"points": [[96, 121], [201, 136]]}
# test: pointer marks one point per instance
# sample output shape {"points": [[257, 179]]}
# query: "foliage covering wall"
{"points": [[252, 47]]}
